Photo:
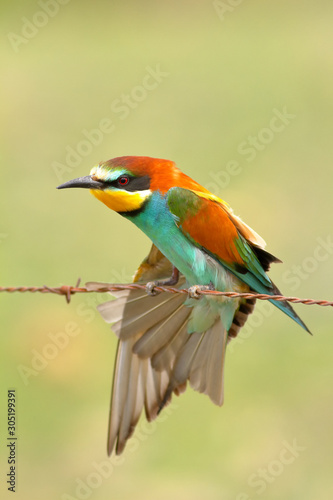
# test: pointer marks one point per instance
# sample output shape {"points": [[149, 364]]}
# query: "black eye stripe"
{"points": [[133, 184]]}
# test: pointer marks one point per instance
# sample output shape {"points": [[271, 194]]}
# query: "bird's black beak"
{"points": [[83, 182]]}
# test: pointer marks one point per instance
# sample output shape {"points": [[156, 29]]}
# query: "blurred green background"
{"points": [[224, 70]]}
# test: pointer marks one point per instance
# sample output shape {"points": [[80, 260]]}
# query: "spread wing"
{"points": [[156, 356], [151, 331]]}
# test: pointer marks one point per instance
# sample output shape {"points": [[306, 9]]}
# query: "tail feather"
{"points": [[285, 306], [131, 301], [134, 402], [156, 355], [185, 359], [121, 380], [153, 391], [210, 360], [197, 375], [136, 386], [201, 361], [215, 364], [146, 320], [164, 359], [183, 363], [160, 334]]}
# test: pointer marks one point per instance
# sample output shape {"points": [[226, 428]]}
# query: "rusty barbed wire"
{"points": [[67, 291]]}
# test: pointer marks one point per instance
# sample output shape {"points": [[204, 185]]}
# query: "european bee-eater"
{"points": [[167, 340]]}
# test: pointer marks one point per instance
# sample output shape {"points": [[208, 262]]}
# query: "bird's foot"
{"points": [[194, 291], [150, 288], [173, 280]]}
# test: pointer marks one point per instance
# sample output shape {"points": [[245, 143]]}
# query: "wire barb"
{"points": [[67, 291]]}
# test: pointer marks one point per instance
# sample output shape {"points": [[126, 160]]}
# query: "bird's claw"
{"points": [[194, 291], [150, 288]]}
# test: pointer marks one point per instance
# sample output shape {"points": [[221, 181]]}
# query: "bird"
{"points": [[168, 340]]}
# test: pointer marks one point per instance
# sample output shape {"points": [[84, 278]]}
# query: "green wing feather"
{"points": [[206, 223]]}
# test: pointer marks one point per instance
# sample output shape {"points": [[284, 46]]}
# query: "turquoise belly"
{"points": [[197, 266]]}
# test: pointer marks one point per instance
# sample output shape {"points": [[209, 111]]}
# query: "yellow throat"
{"points": [[121, 201]]}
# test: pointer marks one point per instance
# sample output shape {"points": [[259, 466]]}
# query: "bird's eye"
{"points": [[123, 180]]}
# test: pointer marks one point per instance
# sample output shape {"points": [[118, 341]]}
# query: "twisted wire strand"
{"points": [[67, 291]]}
